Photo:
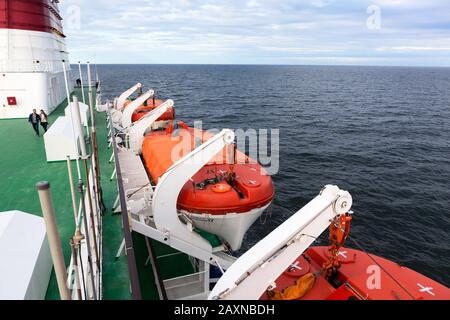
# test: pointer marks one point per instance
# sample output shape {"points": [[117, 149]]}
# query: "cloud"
{"points": [[321, 3], [412, 49], [411, 32]]}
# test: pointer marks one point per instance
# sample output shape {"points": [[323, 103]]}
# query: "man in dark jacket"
{"points": [[34, 119]]}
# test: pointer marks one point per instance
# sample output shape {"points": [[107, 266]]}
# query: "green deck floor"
{"points": [[23, 164]]}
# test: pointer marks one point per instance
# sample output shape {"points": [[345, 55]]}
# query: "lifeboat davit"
{"points": [[221, 198], [148, 106]]}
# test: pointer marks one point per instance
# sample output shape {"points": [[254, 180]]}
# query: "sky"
{"points": [[305, 32]]}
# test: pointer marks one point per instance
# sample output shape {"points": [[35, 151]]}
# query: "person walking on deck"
{"points": [[34, 119], [44, 120]]}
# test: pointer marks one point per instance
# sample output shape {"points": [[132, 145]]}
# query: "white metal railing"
{"points": [[82, 280], [191, 286], [81, 275]]}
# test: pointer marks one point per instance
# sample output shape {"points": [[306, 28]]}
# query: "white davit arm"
{"points": [[124, 96], [164, 203], [257, 269], [135, 133], [127, 114]]}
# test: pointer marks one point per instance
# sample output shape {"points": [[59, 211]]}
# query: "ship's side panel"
{"points": [[31, 51], [32, 57], [39, 90]]}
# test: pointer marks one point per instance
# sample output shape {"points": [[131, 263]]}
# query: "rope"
{"points": [[268, 214], [286, 208], [381, 267], [136, 191]]}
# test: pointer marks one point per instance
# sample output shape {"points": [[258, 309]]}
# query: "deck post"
{"points": [[90, 96], [81, 79], [91, 213], [111, 158], [74, 247], [87, 237], [54, 239], [72, 193], [77, 119], [66, 81], [94, 145]]}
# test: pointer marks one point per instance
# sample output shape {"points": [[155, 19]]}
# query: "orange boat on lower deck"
{"points": [[284, 266], [360, 277], [339, 273], [222, 198]]}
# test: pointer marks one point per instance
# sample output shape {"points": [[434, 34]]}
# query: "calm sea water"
{"points": [[381, 133]]}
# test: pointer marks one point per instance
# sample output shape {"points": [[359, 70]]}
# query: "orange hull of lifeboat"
{"points": [[359, 278], [231, 208], [253, 187], [142, 110]]}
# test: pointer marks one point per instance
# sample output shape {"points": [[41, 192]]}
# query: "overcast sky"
{"points": [[355, 32]]}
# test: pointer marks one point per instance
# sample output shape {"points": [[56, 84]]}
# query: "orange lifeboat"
{"points": [[360, 277], [221, 198], [148, 106]]}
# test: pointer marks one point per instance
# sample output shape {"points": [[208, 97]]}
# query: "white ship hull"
{"points": [[230, 227]]}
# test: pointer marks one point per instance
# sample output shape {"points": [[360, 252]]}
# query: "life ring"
{"points": [[221, 187]]}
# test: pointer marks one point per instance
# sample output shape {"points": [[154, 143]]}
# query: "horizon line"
{"points": [[267, 64]]}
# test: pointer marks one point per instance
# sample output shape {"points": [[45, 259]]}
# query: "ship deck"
{"points": [[23, 164]]}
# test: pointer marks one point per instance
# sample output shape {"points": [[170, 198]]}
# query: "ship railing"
{"points": [[122, 208], [90, 276], [82, 279], [85, 268]]}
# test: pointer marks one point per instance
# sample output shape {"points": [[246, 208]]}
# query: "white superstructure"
{"points": [[32, 58]]}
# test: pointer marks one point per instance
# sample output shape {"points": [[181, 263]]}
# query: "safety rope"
{"points": [[381, 267], [137, 190], [267, 214]]}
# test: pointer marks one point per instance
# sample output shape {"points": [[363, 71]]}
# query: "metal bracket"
{"points": [[120, 101], [135, 133], [128, 112]]}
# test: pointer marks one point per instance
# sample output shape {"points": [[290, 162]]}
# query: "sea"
{"points": [[382, 133]]}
